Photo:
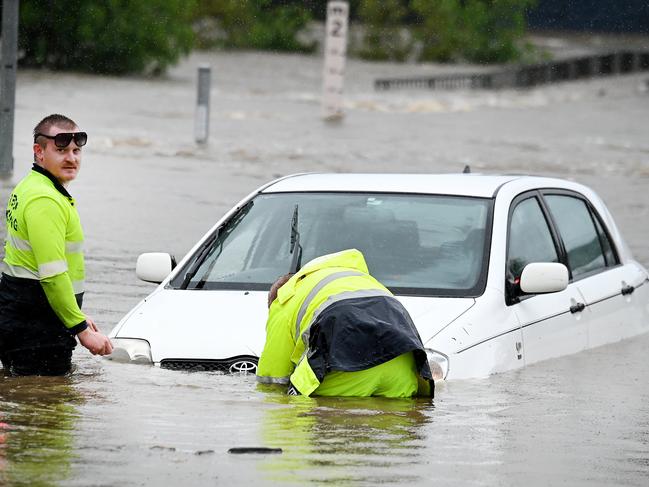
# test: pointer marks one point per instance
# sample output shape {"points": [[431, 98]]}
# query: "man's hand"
{"points": [[96, 342], [91, 323]]}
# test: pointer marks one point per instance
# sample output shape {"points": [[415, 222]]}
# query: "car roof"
{"points": [[470, 184]]}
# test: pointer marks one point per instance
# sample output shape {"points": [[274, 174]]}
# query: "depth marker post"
{"points": [[335, 54]]}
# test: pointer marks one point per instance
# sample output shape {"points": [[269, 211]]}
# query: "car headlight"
{"points": [[130, 350], [438, 363]]}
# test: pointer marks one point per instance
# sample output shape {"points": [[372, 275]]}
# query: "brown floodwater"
{"points": [[145, 186]]}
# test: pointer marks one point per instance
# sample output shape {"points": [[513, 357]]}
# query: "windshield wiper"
{"points": [[296, 248], [207, 248]]}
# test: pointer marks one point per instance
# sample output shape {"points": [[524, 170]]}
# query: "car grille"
{"points": [[241, 364]]}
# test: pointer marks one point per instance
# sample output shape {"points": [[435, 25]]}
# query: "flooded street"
{"points": [[145, 186]]}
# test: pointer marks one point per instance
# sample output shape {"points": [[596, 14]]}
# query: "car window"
{"points": [[578, 232], [609, 253], [530, 239], [413, 244]]}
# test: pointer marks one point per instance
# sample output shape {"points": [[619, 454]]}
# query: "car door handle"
{"points": [[627, 290], [577, 308]]}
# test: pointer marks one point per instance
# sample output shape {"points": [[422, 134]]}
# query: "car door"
{"points": [[552, 324], [606, 284]]}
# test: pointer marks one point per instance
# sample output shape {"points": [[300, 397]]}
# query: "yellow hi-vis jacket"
{"points": [[44, 242], [333, 316]]}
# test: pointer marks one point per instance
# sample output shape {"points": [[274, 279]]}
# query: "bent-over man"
{"points": [[334, 330]]}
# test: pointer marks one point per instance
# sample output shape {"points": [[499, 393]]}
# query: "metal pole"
{"points": [[8, 85], [334, 59], [202, 122]]}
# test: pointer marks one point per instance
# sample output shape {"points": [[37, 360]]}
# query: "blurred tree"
{"points": [[475, 30], [255, 24], [384, 36], [444, 30], [436, 28], [105, 36], [122, 36]]}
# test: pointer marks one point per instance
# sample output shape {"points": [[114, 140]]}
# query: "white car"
{"points": [[496, 271]]}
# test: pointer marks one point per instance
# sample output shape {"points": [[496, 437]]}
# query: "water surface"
{"points": [[145, 186]]}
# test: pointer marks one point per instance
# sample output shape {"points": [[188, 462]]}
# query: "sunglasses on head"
{"points": [[64, 138]]}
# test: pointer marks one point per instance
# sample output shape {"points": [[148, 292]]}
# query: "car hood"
{"points": [[431, 315], [222, 324]]}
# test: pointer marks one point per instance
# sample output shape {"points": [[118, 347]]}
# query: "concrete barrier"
{"points": [[528, 76]]}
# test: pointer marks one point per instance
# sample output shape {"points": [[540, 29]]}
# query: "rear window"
{"points": [[586, 244]]}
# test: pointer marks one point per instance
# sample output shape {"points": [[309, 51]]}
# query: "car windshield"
{"points": [[413, 244]]}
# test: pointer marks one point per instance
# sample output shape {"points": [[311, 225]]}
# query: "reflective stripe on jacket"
{"points": [[334, 302], [44, 242]]}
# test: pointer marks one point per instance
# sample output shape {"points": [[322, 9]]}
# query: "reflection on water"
{"points": [[38, 417], [343, 440]]}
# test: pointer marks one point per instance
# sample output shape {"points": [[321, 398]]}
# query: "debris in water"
{"points": [[254, 449], [159, 447], [203, 452]]}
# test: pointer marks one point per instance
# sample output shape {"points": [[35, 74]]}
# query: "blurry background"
{"points": [[120, 36]]}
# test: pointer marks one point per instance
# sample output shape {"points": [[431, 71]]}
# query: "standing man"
{"points": [[334, 330], [42, 284]]}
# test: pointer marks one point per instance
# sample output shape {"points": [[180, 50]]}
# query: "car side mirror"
{"points": [[154, 266], [544, 277]]}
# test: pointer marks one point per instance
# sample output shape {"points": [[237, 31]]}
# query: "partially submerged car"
{"points": [[496, 271]]}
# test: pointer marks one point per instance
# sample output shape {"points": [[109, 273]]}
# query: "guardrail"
{"points": [[584, 67]]}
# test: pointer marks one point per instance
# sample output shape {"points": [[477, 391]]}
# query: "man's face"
{"points": [[62, 162]]}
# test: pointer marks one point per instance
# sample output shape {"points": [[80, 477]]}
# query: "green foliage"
{"points": [[278, 28], [105, 36], [146, 36], [437, 28], [255, 24], [384, 36], [475, 30]]}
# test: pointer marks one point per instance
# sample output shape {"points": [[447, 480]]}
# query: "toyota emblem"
{"points": [[243, 367]]}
